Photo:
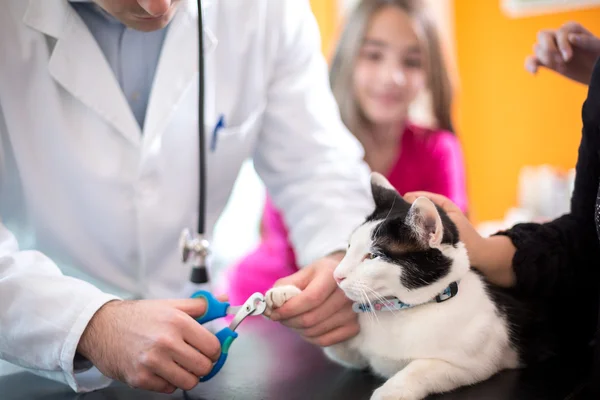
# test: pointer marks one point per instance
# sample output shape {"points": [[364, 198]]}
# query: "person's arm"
{"points": [[542, 259], [43, 314], [58, 327], [53, 324], [447, 169], [565, 253], [311, 164], [314, 170]]}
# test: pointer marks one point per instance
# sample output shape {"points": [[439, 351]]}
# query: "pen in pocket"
{"points": [[215, 134]]}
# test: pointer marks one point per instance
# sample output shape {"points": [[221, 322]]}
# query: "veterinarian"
{"points": [[99, 175]]}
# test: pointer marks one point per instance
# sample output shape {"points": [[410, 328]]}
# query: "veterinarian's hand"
{"points": [[321, 313], [492, 255], [570, 50], [151, 344]]}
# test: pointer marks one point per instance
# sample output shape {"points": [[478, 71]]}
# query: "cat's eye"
{"points": [[369, 256]]}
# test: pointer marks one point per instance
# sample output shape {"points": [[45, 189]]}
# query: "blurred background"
{"points": [[519, 132]]}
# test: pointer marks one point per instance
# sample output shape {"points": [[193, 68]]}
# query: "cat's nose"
{"points": [[339, 279]]}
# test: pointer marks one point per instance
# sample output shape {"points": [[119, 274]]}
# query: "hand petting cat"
{"points": [[492, 255], [468, 234], [319, 310]]}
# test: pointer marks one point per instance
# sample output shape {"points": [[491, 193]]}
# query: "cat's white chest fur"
{"points": [[427, 349], [464, 331]]}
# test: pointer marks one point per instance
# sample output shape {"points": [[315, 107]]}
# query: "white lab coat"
{"points": [[84, 191]]}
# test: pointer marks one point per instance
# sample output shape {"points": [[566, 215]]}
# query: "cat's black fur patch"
{"points": [[531, 332], [390, 205], [398, 243]]}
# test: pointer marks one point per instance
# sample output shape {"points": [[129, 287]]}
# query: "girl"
{"points": [[388, 61]]}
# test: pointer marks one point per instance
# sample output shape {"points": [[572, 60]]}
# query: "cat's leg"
{"points": [[421, 378], [386, 368], [346, 355], [277, 296]]}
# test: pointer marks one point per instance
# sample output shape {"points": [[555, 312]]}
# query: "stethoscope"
{"points": [[195, 248]]}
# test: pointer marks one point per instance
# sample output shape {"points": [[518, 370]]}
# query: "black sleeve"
{"points": [[564, 255], [557, 264]]}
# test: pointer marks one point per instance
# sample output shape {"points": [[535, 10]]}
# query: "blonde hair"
{"points": [[346, 54]]}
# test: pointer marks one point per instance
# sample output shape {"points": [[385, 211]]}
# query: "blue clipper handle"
{"points": [[226, 336], [214, 308]]}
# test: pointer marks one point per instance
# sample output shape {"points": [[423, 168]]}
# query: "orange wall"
{"points": [[506, 117], [327, 13]]}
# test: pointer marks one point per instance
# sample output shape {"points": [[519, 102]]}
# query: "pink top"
{"points": [[428, 160]]}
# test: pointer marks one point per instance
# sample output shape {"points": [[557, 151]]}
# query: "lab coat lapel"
{"points": [[178, 67], [78, 65]]}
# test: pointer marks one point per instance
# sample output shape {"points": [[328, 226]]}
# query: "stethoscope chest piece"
{"points": [[196, 249]]}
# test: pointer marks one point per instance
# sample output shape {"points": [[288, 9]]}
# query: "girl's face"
{"points": [[390, 68]]}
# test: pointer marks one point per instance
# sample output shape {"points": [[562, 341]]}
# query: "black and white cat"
{"points": [[429, 323]]}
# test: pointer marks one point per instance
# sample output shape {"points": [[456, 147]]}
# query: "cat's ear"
{"points": [[379, 180], [426, 222], [383, 192]]}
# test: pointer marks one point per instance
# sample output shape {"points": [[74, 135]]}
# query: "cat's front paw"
{"points": [[392, 392], [277, 296]]}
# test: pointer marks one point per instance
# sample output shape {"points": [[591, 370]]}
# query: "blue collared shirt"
{"points": [[132, 55]]}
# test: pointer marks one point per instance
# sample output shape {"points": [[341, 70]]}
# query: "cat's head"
{"points": [[408, 251]]}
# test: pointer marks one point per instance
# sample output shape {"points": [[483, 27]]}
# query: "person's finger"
{"points": [[195, 307], [338, 335], [442, 201], [174, 374], [585, 42], [169, 389], [563, 44], [345, 316], [546, 59], [223, 297], [192, 307], [315, 294], [532, 64], [149, 381], [191, 359], [546, 49], [332, 305], [201, 339]]}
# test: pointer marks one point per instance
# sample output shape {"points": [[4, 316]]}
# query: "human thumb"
{"points": [[585, 42], [192, 307]]}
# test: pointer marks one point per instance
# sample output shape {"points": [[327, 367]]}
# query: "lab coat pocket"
{"points": [[224, 139], [227, 148]]}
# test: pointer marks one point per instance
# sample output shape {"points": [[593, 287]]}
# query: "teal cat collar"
{"points": [[394, 304]]}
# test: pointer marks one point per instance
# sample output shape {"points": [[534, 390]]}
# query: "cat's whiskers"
{"points": [[364, 299], [361, 287], [371, 308]]}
